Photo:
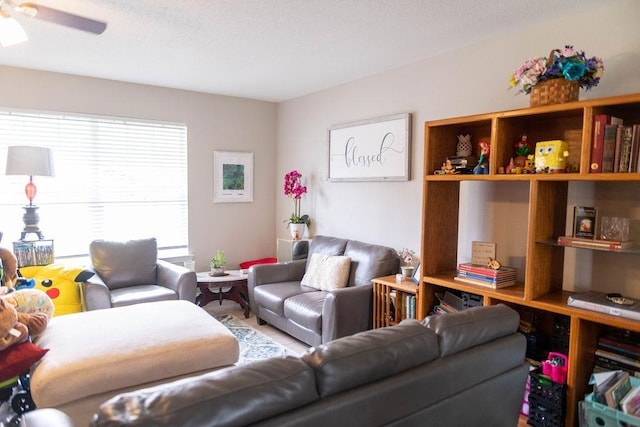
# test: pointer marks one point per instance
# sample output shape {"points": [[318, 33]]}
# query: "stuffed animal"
{"points": [[60, 283], [10, 266], [30, 301], [11, 330]]}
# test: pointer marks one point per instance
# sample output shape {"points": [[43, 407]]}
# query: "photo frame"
{"points": [[371, 150], [232, 177], [416, 275]]}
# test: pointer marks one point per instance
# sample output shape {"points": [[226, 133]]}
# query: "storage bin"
{"points": [[546, 401], [594, 414], [33, 252]]}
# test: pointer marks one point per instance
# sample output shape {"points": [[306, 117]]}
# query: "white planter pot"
{"points": [[297, 231], [407, 270]]}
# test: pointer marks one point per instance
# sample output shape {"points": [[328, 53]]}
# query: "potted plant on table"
{"points": [[407, 261], [218, 263], [294, 189]]}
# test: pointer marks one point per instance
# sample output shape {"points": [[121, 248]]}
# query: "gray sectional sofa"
{"points": [[459, 369], [278, 297]]}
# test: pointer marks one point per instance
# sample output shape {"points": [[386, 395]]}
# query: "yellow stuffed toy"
{"points": [[60, 283]]}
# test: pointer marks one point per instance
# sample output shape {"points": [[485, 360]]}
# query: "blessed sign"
{"points": [[371, 150]]}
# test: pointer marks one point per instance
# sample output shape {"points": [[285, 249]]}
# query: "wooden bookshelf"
{"points": [[388, 300], [541, 289]]}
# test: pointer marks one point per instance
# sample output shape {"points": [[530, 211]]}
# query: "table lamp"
{"points": [[24, 160]]}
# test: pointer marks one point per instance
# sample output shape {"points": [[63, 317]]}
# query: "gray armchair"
{"points": [[130, 273]]}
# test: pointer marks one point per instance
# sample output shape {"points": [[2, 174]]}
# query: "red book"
{"points": [[597, 145]]}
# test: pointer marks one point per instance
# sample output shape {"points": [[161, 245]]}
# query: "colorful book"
{"points": [[625, 148], [618, 390], [484, 283], [616, 159], [486, 271], [609, 148], [462, 273], [630, 404], [597, 144]]}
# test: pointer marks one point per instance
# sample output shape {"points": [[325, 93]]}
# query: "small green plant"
{"points": [[220, 260]]}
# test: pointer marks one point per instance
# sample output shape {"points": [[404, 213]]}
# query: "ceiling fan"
{"points": [[37, 11]]}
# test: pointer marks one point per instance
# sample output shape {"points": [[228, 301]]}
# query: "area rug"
{"points": [[254, 345]]}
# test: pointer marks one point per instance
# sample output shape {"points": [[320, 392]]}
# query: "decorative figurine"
{"points": [[522, 151], [483, 161], [464, 147], [551, 156]]}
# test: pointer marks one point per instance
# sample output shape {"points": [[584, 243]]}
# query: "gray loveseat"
{"points": [[315, 316], [460, 369]]}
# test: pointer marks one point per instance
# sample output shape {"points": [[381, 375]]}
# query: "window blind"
{"points": [[115, 179]]}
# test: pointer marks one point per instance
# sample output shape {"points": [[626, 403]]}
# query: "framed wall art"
{"points": [[371, 150], [232, 177]]}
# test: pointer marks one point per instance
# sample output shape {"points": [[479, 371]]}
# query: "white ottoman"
{"points": [[96, 355]]}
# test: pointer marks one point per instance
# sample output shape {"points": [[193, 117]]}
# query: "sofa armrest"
{"points": [[263, 274], [178, 278], [96, 294], [347, 311]]}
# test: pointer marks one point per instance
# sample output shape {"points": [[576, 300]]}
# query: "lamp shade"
{"points": [[31, 161], [11, 32]]}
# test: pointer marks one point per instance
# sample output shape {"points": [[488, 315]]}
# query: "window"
{"points": [[115, 179]]}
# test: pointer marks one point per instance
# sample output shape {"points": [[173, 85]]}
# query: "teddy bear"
{"points": [[16, 327], [9, 265]]}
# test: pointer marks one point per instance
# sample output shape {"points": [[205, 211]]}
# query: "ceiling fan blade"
{"points": [[63, 18]]}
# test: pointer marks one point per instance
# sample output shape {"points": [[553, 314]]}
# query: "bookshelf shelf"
{"points": [[546, 200]]}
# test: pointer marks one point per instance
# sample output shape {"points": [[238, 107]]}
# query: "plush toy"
{"points": [[11, 330], [30, 301], [10, 266], [60, 283]]}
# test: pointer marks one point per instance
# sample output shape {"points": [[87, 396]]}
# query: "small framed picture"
{"points": [[416, 275], [585, 220]]}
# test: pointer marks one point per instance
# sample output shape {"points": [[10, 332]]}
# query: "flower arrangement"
{"points": [[294, 189], [406, 256], [567, 63]]}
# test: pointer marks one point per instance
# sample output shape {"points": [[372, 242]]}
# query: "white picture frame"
{"points": [[232, 177], [371, 150]]}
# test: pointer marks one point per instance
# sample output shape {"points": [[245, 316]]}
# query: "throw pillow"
{"points": [[327, 272], [18, 359]]}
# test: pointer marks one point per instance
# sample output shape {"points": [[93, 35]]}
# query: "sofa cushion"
{"points": [[370, 261], [465, 329], [230, 397], [368, 356], [120, 264], [326, 272], [306, 310], [273, 296], [327, 246]]}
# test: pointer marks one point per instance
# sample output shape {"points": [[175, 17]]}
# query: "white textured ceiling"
{"points": [[266, 49]]}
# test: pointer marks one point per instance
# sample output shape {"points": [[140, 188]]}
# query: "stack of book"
{"points": [[477, 274], [619, 352], [615, 146]]}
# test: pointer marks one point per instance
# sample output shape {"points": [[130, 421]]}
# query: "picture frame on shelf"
{"points": [[232, 177], [585, 222], [371, 150], [416, 275]]}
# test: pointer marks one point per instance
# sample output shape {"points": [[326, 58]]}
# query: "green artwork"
{"points": [[232, 177]]}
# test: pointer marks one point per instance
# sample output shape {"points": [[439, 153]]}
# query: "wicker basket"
{"points": [[554, 91]]}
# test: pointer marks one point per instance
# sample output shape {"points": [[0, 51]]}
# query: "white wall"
{"points": [[469, 81], [243, 230]]}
